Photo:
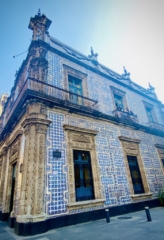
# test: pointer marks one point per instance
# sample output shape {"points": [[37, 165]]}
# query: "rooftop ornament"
{"points": [[151, 88], [39, 12], [126, 74], [93, 56]]}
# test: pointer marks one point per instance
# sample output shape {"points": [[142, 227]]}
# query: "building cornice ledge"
{"points": [[82, 130]]}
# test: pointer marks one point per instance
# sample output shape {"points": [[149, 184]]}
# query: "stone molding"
{"points": [[126, 139], [82, 139], [32, 187], [131, 147], [81, 130], [85, 204], [141, 196], [77, 74], [160, 151]]}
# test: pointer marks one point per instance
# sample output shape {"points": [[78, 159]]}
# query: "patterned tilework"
{"points": [[112, 168], [151, 162], [56, 173], [99, 89], [54, 76], [115, 186], [149, 156], [114, 182]]}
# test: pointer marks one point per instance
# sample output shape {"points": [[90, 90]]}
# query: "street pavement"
{"points": [[132, 226]]}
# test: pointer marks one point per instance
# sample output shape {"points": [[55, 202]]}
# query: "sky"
{"points": [[126, 33]]}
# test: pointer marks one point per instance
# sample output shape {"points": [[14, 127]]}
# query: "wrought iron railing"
{"points": [[56, 94], [126, 116]]}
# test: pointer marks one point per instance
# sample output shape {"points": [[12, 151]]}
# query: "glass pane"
{"points": [[85, 156], [87, 177], [77, 177], [14, 170], [118, 102], [163, 162], [135, 175], [149, 114], [75, 155], [83, 175]]}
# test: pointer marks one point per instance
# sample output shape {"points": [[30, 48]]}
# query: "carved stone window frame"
{"points": [[82, 139], [150, 106], [131, 147], [77, 74], [116, 91], [160, 150]]}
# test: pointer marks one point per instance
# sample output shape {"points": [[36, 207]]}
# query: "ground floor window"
{"points": [[162, 161], [83, 175], [135, 175]]}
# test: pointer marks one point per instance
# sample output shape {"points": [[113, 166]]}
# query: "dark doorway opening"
{"points": [[12, 186]]}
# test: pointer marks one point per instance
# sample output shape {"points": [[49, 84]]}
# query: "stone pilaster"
{"points": [[31, 206], [3, 161]]}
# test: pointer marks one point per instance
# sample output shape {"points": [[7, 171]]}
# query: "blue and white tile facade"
{"points": [[114, 181], [99, 88], [113, 175], [56, 169]]}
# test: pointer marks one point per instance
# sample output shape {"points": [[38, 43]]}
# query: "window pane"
{"points": [[118, 102], [135, 175], [83, 176], [149, 114], [75, 86]]}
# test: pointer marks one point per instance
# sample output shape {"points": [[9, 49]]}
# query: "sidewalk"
{"points": [[136, 228]]}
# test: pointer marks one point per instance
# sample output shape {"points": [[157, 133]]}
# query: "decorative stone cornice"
{"points": [[159, 146], [35, 121], [82, 130], [126, 139], [16, 135]]}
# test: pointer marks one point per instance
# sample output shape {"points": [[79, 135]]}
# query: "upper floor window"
{"points": [[149, 108], [119, 99], [75, 87], [119, 102], [149, 114]]}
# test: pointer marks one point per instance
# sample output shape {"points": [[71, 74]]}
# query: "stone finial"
{"points": [[151, 88], [126, 74], [93, 56], [39, 12]]}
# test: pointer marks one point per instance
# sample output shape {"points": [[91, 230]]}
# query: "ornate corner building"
{"points": [[75, 138]]}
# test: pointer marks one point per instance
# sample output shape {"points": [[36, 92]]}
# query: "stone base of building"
{"points": [[33, 228], [4, 216], [11, 222]]}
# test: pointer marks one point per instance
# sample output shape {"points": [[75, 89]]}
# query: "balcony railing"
{"points": [[59, 95], [156, 126], [126, 116]]}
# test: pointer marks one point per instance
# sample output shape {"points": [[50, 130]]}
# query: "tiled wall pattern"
{"points": [[54, 76], [149, 156], [99, 89], [56, 178], [115, 186]]}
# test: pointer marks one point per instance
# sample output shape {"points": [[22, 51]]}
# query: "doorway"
{"points": [[12, 186]]}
